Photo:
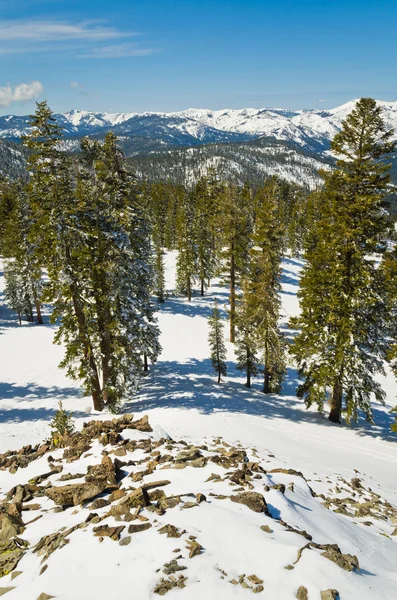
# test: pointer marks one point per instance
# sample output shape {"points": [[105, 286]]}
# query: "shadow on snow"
{"points": [[192, 385]]}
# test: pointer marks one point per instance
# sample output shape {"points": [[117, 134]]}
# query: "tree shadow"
{"points": [[201, 307], [192, 385], [31, 393]]}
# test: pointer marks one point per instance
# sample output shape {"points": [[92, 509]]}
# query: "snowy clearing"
{"points": [[181, 397]]}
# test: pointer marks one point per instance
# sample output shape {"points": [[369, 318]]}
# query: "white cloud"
{"points": [[57, 31], [20, 93], [74, 84], [117, 51], [82, 39]]}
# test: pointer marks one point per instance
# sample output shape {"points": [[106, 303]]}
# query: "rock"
{"points": [[10, 526], [69, 476], [106, 531], [198, 463], [137, 528], [288, 472], [15, 574], [11, 553], [200, 498], [165, 585], [49, 543], [188, 455], [125, 541], [348, 562], [266, 529], [279, 487], [74, 494], [117, 495], [99, 503], [103, 473], [258, 589], [329, 595], [5, 590], [356, 483], [141, 425], [170, 502], [189, 505], [171, 531], [302, 593], [31, 506], [252, 500], [254, 579], [156, 495], [173, 567], [120, 452], [241, 476], [194, 548], [156, 484], [137, 498], [44, 596]]}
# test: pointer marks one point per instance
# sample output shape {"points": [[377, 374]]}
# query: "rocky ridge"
{"points": [[117, 483]]}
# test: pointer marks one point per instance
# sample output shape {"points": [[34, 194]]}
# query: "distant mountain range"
{"points": [[246, 144], [309, 129]]}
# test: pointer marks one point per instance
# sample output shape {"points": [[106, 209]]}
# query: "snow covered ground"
{"points": [[181, 397]]}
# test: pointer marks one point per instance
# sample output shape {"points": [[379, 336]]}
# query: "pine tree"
{"points": [[262, 287], [344, 317], [92, 234], [205, 198], [235, 225], [18, 291], [246, 343], [217, 343], [159, 274], [186, 264]]}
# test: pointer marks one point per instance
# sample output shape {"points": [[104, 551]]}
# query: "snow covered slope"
{"points": [[182, 400], [310, 129]]}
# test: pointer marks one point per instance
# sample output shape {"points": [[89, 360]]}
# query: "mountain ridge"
{"points": [[311, 129]]}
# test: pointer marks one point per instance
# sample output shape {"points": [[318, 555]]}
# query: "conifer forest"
{"points": [[251, 329]]}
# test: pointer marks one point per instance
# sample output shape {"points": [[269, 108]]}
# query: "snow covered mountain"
{"points": [[310, 129]]}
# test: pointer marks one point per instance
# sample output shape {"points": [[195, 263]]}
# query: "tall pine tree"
{"points": [[344, 320]]}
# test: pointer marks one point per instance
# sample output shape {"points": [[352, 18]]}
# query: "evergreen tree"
{"points": [[262, 288], [186, 264], [344, 317], [92, 234], [159, 274], [17, 291], [246, 347], [235, 223], [217, 343], [204, 231]]}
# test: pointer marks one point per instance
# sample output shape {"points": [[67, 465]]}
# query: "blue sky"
{"points": [[137, 55]]}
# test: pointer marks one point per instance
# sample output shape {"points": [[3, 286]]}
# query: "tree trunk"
{"points": [[219, 374], [96, 391], [266, 372], [145, 363], [336, 402], [202, 287], [19, 318], [29, 314], [248, 382], [39, 318], [266, 381], [232, 294], [189, 290]]}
